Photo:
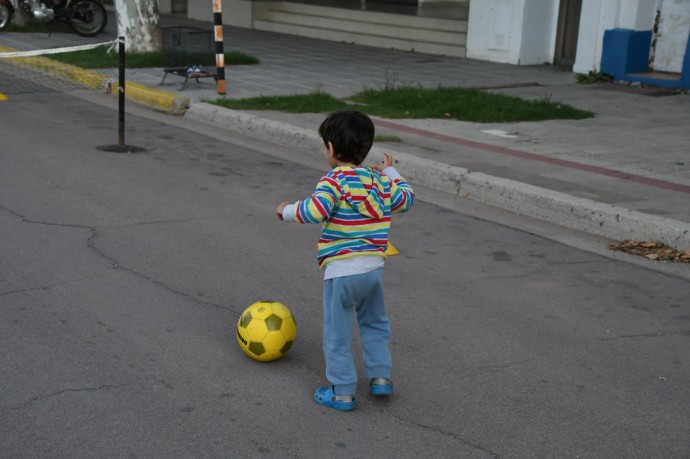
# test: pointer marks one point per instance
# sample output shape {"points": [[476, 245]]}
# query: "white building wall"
{"points": [[672, 42], [512, 31], [594, 17], [639, 14], [493, 31], [538, 42]]}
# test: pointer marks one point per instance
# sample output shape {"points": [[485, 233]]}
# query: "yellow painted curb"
{"points": [[391, 250], [139, 93], [156, 98]]}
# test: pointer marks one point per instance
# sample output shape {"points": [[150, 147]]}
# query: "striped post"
{"points": [[220, 54]]}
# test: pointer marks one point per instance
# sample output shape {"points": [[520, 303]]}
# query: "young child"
{"points": [[354, 204]]}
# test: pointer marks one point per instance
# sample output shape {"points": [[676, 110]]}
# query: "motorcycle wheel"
{"points": [[87, 17], [5, 16]]}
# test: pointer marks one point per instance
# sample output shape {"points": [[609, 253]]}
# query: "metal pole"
{"points": [[220, 54], [121, 93]]}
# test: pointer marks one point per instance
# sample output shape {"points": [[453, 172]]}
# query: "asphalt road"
{"points": [[122, 277]]}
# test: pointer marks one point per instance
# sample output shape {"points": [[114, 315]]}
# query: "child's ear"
{"points": [[330, 150]]}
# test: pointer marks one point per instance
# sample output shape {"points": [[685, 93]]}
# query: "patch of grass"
{"points": [[98, 58], [593, 78], [315, 102], [416, 102], [462, 104]]}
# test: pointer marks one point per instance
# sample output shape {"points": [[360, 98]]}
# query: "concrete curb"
{"points": [[573, 212], [560, 208], [254, 126]]}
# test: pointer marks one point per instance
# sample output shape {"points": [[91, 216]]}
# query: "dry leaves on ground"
{"points": [[652, 250]]}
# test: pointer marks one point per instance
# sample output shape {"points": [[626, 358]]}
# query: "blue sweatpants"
{"points": [[345, 298]]}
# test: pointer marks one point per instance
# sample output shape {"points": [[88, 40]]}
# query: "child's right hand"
{"points": [[387, 160]]}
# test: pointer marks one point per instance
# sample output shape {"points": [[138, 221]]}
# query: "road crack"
{"points": [[657, 334], [114, 264], [42, 397], [441, 431]]}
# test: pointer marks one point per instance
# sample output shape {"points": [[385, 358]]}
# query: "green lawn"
{"points": [[99, 58], [415, 102]]}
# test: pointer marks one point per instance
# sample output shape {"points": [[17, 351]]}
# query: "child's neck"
{"points": [[344, 164]]}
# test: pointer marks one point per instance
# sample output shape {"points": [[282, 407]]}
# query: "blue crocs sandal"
{"points": [[325, 395], [381, 386]]}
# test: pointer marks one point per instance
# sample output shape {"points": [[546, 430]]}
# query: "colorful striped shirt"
{"points": [[354, 206]]}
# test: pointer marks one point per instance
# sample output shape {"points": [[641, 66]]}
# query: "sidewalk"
{"points": [[624, 174]]}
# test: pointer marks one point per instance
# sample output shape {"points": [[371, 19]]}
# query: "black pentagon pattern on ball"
{"points": [[286, 347], [256, 348], [273, 322], [246, 318]]}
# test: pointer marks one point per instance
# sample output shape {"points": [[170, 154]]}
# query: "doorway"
{"points": [[566, 35]]}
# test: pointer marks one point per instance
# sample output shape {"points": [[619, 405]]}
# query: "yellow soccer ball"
{"points": [[266, 330]]}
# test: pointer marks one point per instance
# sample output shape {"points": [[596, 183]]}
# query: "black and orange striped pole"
{"points": [[220, 54]]}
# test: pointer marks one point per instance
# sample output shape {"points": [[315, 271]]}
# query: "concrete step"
{"points": [[385, 30]]}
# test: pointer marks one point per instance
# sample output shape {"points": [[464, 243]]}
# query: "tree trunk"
{"points": [[139, 22]]}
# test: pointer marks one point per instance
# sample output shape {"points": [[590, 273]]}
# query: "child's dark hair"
{"points": [[351, 133]]}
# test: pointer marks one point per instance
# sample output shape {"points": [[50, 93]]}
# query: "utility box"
{"points": [[188, 52]]}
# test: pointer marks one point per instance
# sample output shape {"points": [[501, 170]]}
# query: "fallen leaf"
{"points": [[653, 250]]}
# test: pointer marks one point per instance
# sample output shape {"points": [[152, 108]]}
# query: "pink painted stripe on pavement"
{"points": [[534, 157]]}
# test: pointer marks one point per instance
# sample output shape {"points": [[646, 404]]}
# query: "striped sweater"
{"points": [[354, 206]]}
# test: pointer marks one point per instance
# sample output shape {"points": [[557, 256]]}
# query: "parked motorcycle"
{"points": [[86, 17]]}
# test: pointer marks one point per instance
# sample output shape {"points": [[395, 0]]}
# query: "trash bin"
{"points": [[188, 52]]}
